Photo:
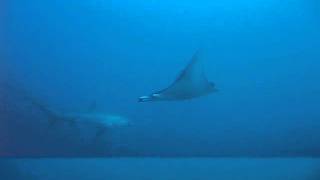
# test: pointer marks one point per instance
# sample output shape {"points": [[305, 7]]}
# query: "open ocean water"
{"points": [[162, 169], [72, 72]]}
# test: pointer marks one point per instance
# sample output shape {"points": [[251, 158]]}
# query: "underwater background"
{"points": [[263, 56]]}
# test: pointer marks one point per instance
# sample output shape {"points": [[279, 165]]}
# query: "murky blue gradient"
{"points": [[263, 56]]}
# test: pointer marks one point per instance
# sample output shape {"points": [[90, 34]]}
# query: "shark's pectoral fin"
{"points": [[100, 132]]}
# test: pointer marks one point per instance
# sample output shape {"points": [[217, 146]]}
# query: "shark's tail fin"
{"points": [[26, 96], [50, 114]]}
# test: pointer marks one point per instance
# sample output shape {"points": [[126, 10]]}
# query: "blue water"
{"points": [[263, 56], [169, 169]]}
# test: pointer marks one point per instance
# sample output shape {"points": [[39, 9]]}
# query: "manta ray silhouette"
{"points": [[191, 83]]}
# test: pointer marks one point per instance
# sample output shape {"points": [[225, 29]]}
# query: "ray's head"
{"points": [[152, 97]]}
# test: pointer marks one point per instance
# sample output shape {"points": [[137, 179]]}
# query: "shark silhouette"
{"points": [[191, 83], [104, 121]]}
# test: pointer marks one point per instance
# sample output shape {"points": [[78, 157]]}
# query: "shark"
{"points": [[105, 121], [190, 83]]}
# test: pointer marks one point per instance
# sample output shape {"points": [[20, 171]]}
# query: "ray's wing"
{"points": [[193, 71], [191, 77]]}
